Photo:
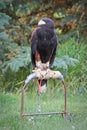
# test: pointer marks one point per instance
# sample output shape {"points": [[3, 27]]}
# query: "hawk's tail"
{"points": [[42, 85]]}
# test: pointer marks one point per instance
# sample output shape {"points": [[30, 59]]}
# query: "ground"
{"points": [[10, 106]]}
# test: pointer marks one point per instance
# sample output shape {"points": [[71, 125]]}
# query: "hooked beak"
{"points": [[41, 22]]}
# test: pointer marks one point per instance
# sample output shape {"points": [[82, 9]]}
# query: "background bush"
{"points": [[17, 21]]}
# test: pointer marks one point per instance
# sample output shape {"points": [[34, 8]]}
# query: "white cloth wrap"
{"points": [[48, 74]]}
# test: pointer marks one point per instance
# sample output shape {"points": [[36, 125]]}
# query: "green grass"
{"points": [[76, 81], [10, 105]]}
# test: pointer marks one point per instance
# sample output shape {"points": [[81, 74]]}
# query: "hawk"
{"points": [[43, 47]]}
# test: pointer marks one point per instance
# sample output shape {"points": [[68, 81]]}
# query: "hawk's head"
{"points": [[46, 22]]}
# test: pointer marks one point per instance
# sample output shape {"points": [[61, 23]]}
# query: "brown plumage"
{"points": [[43, 43]]}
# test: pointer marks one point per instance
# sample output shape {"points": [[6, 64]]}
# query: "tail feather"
{"points": [[43, 86]]}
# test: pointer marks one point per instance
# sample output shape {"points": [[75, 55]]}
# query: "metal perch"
{"points": [[43, 74]]}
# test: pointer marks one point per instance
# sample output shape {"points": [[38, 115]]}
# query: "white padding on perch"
{"points": [[44, 74], [30, 77], [48, 74]]}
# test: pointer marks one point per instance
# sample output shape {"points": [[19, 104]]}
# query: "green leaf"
{"points": [[4, 20], [64, 62], [20, 59], [4, 36], [2, 5]]}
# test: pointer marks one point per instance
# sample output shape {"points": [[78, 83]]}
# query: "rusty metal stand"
{"points": [[40, 75]]}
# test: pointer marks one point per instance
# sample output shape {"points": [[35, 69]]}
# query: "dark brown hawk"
{"points": [[43, 45]]}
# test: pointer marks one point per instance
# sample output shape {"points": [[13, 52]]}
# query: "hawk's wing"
{"points": [[34, 42], [44, 49]]}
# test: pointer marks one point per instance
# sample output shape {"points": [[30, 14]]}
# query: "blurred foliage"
{"points": [[64, 63], [15, 57], [17, 20], [4, 21]]}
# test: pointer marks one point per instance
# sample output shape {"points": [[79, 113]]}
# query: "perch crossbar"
{"points": [[43, 74]]}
